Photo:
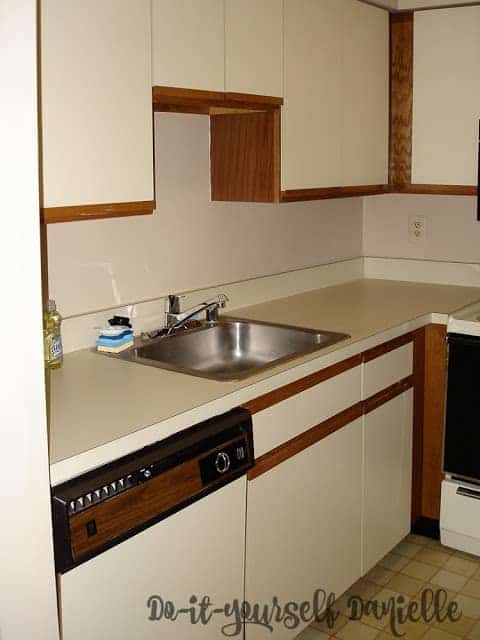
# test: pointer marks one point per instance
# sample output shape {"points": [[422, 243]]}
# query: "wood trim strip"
{"points": [[386, 347], [253, 99], [301, 442], [401, 99], [418, 416], [304, 440], [433, 419], [182, 100], [97, 211], [292, 389], [326, 193], [388, 394], [438, 189]]}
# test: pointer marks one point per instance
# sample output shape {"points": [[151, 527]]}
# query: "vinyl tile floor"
{"points": [[416, 566]]}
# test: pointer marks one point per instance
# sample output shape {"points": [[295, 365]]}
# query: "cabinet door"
{"points": [[189, 44], [388, 477], [304, 526], [446, 96], [253, 46], [336, 71], [312, 117], [96, 102], [365, 100]]}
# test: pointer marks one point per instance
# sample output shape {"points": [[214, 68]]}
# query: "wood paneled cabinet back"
{"points": [[96, 110]]}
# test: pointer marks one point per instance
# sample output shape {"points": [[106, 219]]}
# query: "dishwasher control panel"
{"points": [[104, 507]]}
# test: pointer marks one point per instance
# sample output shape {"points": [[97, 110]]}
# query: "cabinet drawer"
{"points": [[289, 418], [387, 369]]}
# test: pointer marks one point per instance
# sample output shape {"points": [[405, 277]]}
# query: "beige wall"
{"points": [[452, 231], [190, 243]]}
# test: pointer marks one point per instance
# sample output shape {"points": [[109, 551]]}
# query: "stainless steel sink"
{"points": [[230, 349]]}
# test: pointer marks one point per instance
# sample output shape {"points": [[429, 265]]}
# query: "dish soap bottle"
{"points": [[52, 337]]}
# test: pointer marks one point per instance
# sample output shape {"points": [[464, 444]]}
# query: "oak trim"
{"points": [[385, 395], [96, 211], [310, 437], [418, 421], [386, 347], [180, 100], [327, 193], [272, 398], [401, 99], [292, 389], [303, 441], [435, 379], [439, 189]]}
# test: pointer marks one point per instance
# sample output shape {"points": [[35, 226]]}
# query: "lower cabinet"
{"points": [[304, 527], [387, 477]]}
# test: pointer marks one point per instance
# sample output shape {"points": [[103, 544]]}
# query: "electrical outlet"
{"points": [[417, 229]]}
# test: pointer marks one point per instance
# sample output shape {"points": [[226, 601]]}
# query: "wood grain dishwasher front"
{"points": [[197, 552]]}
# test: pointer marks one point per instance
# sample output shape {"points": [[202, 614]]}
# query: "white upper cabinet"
{"points": [[336, 74], [96, 103], [365, 97], [446, 96], [189, 44], [253, 46], [312, 120]]}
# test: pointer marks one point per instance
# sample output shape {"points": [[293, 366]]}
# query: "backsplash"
{"points": [[452, 231], [190, 243]]}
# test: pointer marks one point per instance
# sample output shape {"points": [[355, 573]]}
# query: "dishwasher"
{"points": [[152, 546]]}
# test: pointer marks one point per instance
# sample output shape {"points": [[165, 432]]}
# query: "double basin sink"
{"points": [[230, 348]]}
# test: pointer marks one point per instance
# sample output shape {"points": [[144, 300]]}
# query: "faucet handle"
{"points": [[222, 300], [172, 303]]}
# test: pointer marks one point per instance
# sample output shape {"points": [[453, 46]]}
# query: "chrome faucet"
{"points": [[175, 318]]}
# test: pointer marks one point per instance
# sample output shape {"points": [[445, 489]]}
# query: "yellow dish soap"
{"points": [[52, 337]]}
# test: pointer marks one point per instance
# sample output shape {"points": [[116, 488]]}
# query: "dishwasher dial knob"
{"points": [[222, 462]]}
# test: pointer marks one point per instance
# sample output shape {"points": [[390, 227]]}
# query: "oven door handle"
{"points": [[468, 493]]}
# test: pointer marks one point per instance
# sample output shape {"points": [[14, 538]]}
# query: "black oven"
{"points": [[462, 426]]}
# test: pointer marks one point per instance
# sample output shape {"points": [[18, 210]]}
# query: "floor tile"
{"points": [[449, 580], [477, 575], [408, 631], [405, 584], [436, 557], [379, 575], [414, 539], [469, 607], [407, 549], [394, 561], [436, 544], [339, 623], [419, 570], [357, 631], [364, 589], [460, 565], [438, 634], [468, 556], [459, 628], [474, 633], [312, 634], [472, 588]]}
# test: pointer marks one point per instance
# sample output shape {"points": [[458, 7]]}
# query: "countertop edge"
{"points": [[68, 468]]}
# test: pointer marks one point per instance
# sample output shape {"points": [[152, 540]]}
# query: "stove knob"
{"points": [[222, 462]]}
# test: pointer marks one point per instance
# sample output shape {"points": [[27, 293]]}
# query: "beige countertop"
{"points": [[102, 408]]}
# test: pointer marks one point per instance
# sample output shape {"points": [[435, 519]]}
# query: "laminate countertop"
{"points": [[101, 408]]}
